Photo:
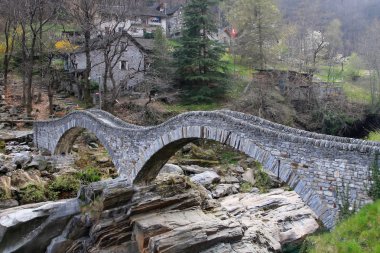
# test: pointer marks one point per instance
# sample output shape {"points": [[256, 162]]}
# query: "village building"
{"points": [[130, 63], [139, 23]]}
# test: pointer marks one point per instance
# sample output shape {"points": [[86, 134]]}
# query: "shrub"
{"points": [[65, 186], [89, 175], [33, 193], [245, 187], [263, 181], [2, 146], [374, 191], [3, 194]]}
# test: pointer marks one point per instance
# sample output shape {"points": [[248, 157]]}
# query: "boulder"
{"points": [[230, 180], [206, 178], [194, 169], [186, 231], [238, 169], [38, 162], [8, 203], [249, 176], [273, 219], [171, 169], [20, 160], [223, 190], [30, 228]]}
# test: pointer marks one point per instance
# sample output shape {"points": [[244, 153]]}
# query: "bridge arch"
{"points": [[272, 160], [314, 165]]}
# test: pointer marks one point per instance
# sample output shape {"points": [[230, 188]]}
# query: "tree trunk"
{"points": [[87, 92], [50, 95], [29, 77]]}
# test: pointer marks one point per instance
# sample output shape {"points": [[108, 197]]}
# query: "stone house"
{"points": [[130, 61], [175, 21], [139, 23]]}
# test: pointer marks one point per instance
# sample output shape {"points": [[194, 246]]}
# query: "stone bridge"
{"points": [[320, 168]]}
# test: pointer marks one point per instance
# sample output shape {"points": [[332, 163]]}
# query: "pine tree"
{"points": [[162, 57], [201, 72]]}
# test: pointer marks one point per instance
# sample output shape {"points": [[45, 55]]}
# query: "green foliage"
{"points": [[345, 208], [263, 181], [357, 93], [65, 186], [180, 108], [3, 194], [161, 55], [353, 67], [89, 175], [359, 233], [33, 193], [335, 122], [245, 187], [202, 73], [257, 22], [374, 191], [228, 157], [374, 136], [2, 146]]}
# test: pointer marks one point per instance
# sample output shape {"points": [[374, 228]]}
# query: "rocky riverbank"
{"points": [[228, 207], [173, 214]]}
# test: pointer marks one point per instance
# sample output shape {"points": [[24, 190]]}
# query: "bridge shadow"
{"points": [[88, 151]]}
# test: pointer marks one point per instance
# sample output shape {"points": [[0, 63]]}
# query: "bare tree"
{"points": [[32, 15], [7, 15], [84, 13], [370, 50]]}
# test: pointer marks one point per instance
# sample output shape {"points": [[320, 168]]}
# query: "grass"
{"points": [[180, 108], [237, 68], [374, 136], [358, 234], [356, 93]]}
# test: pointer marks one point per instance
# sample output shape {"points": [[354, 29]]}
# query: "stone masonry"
{"points": [[318, 167]]}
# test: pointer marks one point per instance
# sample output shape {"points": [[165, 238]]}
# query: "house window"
{"points": [[123, 65], [123, 46]]}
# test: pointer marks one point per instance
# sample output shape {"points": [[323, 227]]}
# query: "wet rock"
{"points": [[206, 178], [171, 169], [223, 190]]}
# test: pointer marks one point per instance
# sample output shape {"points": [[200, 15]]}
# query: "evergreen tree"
{"points": [[201, 72], [162, 57]]}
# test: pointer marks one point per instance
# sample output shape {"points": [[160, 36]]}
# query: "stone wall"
{"points": [[318, 167]]}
